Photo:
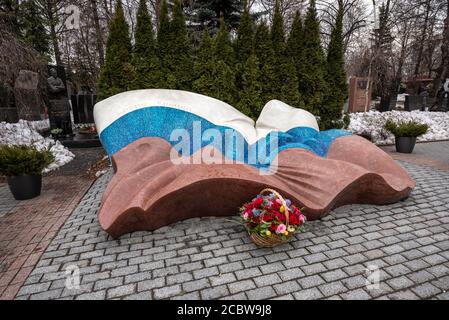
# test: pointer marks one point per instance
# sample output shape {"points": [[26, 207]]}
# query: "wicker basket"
{"points": [[273, 240]]}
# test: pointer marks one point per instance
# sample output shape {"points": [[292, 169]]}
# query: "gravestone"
{"points": [[59, 109], [413, 102], [358, 99], [27, 96], [8, 111], [83, 108]]}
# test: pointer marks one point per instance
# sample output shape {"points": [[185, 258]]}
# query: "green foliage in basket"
{"points": [[24, 160]]}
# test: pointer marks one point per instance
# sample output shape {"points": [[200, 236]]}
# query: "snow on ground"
{"points": [[25, 133], [372, 123]]}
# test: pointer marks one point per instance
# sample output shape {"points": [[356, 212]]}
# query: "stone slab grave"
{"points": [[27, 96], [173, 161]]}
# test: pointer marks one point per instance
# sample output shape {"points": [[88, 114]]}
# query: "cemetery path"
{"points": [[27, 227], [432, 154], [405, 246]]}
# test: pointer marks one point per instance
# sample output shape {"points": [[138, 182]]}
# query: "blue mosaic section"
{"points": [[162, 121]]}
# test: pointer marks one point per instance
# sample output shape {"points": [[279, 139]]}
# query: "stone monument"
{"points": [[359, 98], [157, 183], [59, 108], [27, 96]]}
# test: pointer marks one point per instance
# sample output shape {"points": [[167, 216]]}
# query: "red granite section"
{"points": [[149, 191], [27, 228]]}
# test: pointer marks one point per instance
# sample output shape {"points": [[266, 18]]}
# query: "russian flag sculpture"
{"points": [[179, 155]]}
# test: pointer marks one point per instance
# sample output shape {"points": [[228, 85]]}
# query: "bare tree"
{"points": [[355, 19]]}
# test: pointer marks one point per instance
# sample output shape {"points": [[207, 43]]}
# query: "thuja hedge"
{"points": [[257, 65]]}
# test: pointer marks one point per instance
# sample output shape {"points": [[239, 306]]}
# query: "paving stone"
{"points": [[308, 294], [167, 292], [195, 285], [286, 287], [241, 286], [121, 291], [332, 288], [214, 293], [95, 295], [400, 283], [358, 294], [311, 281], [261, 293], [426, 291], [333, 275]]}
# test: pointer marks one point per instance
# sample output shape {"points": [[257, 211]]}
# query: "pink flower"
{"points": [[245, 216], [302, 218], [281, 228]]}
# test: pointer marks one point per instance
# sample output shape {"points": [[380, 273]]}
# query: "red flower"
{"points": [[293, 219], [273, 227], [267, 217], [257, 202], [280, 217]]}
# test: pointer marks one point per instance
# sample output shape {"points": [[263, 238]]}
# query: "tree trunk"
{"points": [[53, 34], [99, 33], [444, 66], [422, 40]]}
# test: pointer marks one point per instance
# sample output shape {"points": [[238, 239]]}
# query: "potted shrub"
{"points": [[23, 165], [405, 134]]}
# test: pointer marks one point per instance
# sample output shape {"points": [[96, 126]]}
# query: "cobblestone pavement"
{"points": [[431, 154], [27, 227], [212, 258]]}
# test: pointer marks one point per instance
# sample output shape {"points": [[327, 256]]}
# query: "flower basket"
{"points": [[271, 220]]}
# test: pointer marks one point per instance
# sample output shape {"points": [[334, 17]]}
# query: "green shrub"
{"points": [[406, 129], [23, 160]]}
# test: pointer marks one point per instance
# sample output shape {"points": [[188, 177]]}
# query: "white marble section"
{"points": [[276, 115]]}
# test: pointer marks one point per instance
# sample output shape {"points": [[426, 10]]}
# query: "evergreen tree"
{"points": [[286, 81], [313, 68], [263, 50], [116, 74], [32, 25], [210, 12], [243, 45], [277, 31], [204, 66], [223, 47], [295, 43], [223, 85], [180, 62], [163, 44], [251, 102], [336, 76], [145, 61]]}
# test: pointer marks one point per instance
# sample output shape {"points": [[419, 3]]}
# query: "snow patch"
{"points": [[25, 133], [372, 124]]}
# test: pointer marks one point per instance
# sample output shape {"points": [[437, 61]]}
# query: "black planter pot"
{"points": [[25, 187], [405, 144]]}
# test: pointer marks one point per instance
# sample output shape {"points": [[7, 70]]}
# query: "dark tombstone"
{"points": [[8, 111], [83, 108], [413, 102], [388, 103], [27, 96], [59, 109]]}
